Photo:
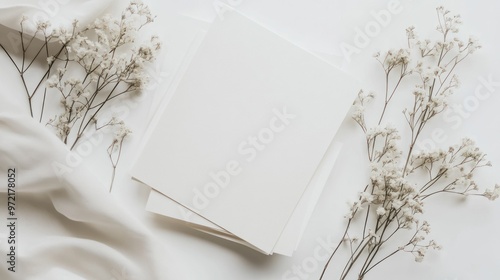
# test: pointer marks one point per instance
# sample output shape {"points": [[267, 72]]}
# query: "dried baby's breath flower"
{"points": [[87, 69], [402, 178], [492, 194]]}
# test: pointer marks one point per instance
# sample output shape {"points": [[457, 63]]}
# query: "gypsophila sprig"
{"points": [[402, 180], [86, 68]]}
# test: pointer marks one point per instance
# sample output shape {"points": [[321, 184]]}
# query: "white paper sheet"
{"points": [[246, 129], [291, 236]]}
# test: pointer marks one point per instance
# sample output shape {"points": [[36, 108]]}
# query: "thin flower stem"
{"points": [[46, 74], [10, 57], [113, 97], [78, 137], [377, 263], [377, 246], [31, 40], [27, 93], [113, 174], [24, 50], [366, 220], [386, 97], [45, 89], [80, 130], [43, 105], [36, 56], [335, 251], [115, 163]]}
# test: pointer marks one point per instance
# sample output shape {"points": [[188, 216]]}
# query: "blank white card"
{"points": [[246, 129]]}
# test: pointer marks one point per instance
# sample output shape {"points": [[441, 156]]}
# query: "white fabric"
{"points": [[68, 227], [468, 243], [59, 12]]}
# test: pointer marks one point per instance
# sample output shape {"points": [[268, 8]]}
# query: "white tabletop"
{"points": [[468, 230]]}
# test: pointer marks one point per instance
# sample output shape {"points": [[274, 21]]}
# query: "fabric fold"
{"points": [[58, 12], [70, 224]]}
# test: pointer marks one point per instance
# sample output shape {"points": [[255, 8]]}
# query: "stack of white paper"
{"points": [[243, 149]]}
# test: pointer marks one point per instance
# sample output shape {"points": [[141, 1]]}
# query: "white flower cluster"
{"points": [[398, 184], [86, 69], [359, 107], [105, 63], [394, 58], [454, 168], [447, 22], [492, 194], [415, 246]]}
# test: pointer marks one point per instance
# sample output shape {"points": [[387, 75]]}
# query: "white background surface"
{"points": [[468, 230]]}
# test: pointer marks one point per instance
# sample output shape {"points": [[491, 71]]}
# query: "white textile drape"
{"points": [[68, 227]]}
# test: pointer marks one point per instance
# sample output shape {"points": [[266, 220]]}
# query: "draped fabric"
{"points": [[68, 225]]}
